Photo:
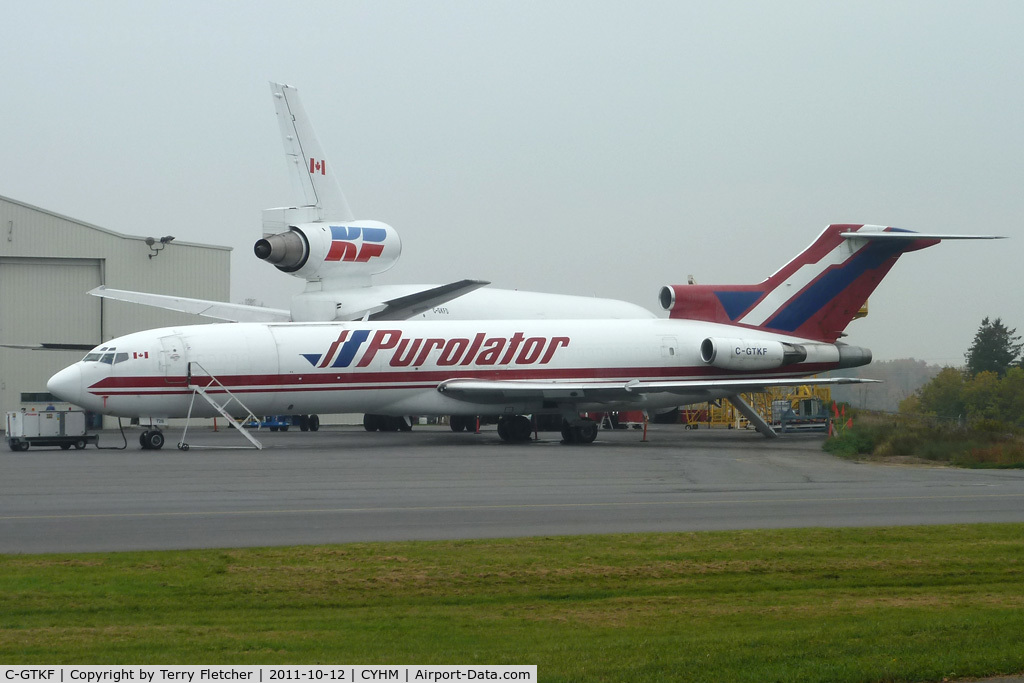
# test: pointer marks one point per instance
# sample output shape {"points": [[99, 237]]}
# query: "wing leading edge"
{"points": [[400, 308], [221, 310]]}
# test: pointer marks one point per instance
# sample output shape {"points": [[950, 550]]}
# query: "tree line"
{"points": [[989, 387]]}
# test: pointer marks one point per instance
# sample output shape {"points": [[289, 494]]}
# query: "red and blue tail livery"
{"points": [[814, 296]]}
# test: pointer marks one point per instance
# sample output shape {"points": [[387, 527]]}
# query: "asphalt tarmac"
{"points": [[341, 485]]}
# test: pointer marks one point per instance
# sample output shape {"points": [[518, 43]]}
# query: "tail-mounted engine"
{"points": [[316, 251], [748, 354], [759, 354]]}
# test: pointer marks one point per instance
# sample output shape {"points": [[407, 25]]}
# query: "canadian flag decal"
{"points": [[318, 165]]}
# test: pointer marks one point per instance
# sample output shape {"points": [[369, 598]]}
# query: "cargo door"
{"points": [[174, 359]]}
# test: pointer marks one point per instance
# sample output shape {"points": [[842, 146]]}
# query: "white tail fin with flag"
{"points": [[310, 173]]}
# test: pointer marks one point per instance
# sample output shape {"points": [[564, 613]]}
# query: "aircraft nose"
{"points": [[67, 384]]}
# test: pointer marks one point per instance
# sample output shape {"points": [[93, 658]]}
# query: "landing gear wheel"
{"points": [[304, 423], [582, 432], [152, 440], [519, 429], [586, 431], [371, 422], [503, 429], [314, 423], [568, 433]]}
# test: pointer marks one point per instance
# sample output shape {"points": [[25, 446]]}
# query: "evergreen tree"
{"points": [[996, 348]]}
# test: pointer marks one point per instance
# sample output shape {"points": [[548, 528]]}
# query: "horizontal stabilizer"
{"points": [[221, 310], [910, 236], [405, 307]]}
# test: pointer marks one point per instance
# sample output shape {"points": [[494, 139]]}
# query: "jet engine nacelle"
{"points": [[749, 354], [316, 251]]}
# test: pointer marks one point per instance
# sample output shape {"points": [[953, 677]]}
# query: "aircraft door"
{"points": [[174, 359]]}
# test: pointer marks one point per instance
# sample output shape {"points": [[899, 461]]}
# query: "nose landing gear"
{"points": [[151, 440]]}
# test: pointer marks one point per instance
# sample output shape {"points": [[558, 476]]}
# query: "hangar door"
{"points": [[44, 300]]}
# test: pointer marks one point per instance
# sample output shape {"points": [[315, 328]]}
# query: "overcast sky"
{"points": [[594, 148]]}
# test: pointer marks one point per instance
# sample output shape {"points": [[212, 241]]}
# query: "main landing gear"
{"points": [[575, 430], [462, 423], [515, 428], [579, 431]]}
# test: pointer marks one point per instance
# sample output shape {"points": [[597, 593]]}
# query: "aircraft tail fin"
{"points": [[314, 179], [815, 295]]}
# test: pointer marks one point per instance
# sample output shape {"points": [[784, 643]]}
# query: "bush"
{"points": [[850, 442], [988, 443]]}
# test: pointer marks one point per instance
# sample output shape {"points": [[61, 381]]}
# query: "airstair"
{"points": [[202, 389]]}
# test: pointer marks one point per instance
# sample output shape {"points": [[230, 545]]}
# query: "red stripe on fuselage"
{"points": [[335, 381]]}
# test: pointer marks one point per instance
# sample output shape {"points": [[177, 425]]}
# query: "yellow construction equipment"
{"points": [[785, 408]]}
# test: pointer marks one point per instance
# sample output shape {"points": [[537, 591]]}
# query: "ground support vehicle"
{"points": [[64, 428]]}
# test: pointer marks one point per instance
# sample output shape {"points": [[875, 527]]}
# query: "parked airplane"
{"points": [[321, 242], [743, 339]]}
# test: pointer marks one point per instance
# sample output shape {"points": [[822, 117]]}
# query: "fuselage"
{"points": [[395, 367]]}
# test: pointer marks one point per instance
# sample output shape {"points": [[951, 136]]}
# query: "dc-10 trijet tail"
{"points": [[774, 334], [320, 241]]}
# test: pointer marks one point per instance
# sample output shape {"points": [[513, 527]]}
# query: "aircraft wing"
{"points": [[221, 310], [502, 391], [44, 346], [405, 307]]}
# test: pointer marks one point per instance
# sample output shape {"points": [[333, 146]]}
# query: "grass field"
{"points": [[898, 604]]}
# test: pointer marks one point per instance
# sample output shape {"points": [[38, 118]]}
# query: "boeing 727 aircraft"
{"points": [[733, 339]]}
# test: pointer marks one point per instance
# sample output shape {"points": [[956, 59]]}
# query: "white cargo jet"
{"points": [[719, 342], [321, 242]]}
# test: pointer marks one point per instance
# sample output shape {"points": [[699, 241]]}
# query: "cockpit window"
{"points": [[105, 355]]}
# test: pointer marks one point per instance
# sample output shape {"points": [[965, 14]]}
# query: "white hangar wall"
{"points": [[47, 264]]}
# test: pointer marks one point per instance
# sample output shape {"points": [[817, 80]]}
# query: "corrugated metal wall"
{"points": [[50, 300], [48, 263]]}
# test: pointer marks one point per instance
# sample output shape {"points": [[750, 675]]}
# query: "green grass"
{"points": [[901, 604]]}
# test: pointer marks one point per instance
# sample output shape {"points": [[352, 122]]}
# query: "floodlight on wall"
{"points": [[156, 246]]}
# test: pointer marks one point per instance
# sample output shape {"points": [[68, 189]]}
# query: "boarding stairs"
{"points": [[200, 386]]}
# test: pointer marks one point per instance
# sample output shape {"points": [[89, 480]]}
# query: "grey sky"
{"points": [[592, 148]]}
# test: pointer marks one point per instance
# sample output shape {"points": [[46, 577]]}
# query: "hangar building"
{"points": [[47, 264]]}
